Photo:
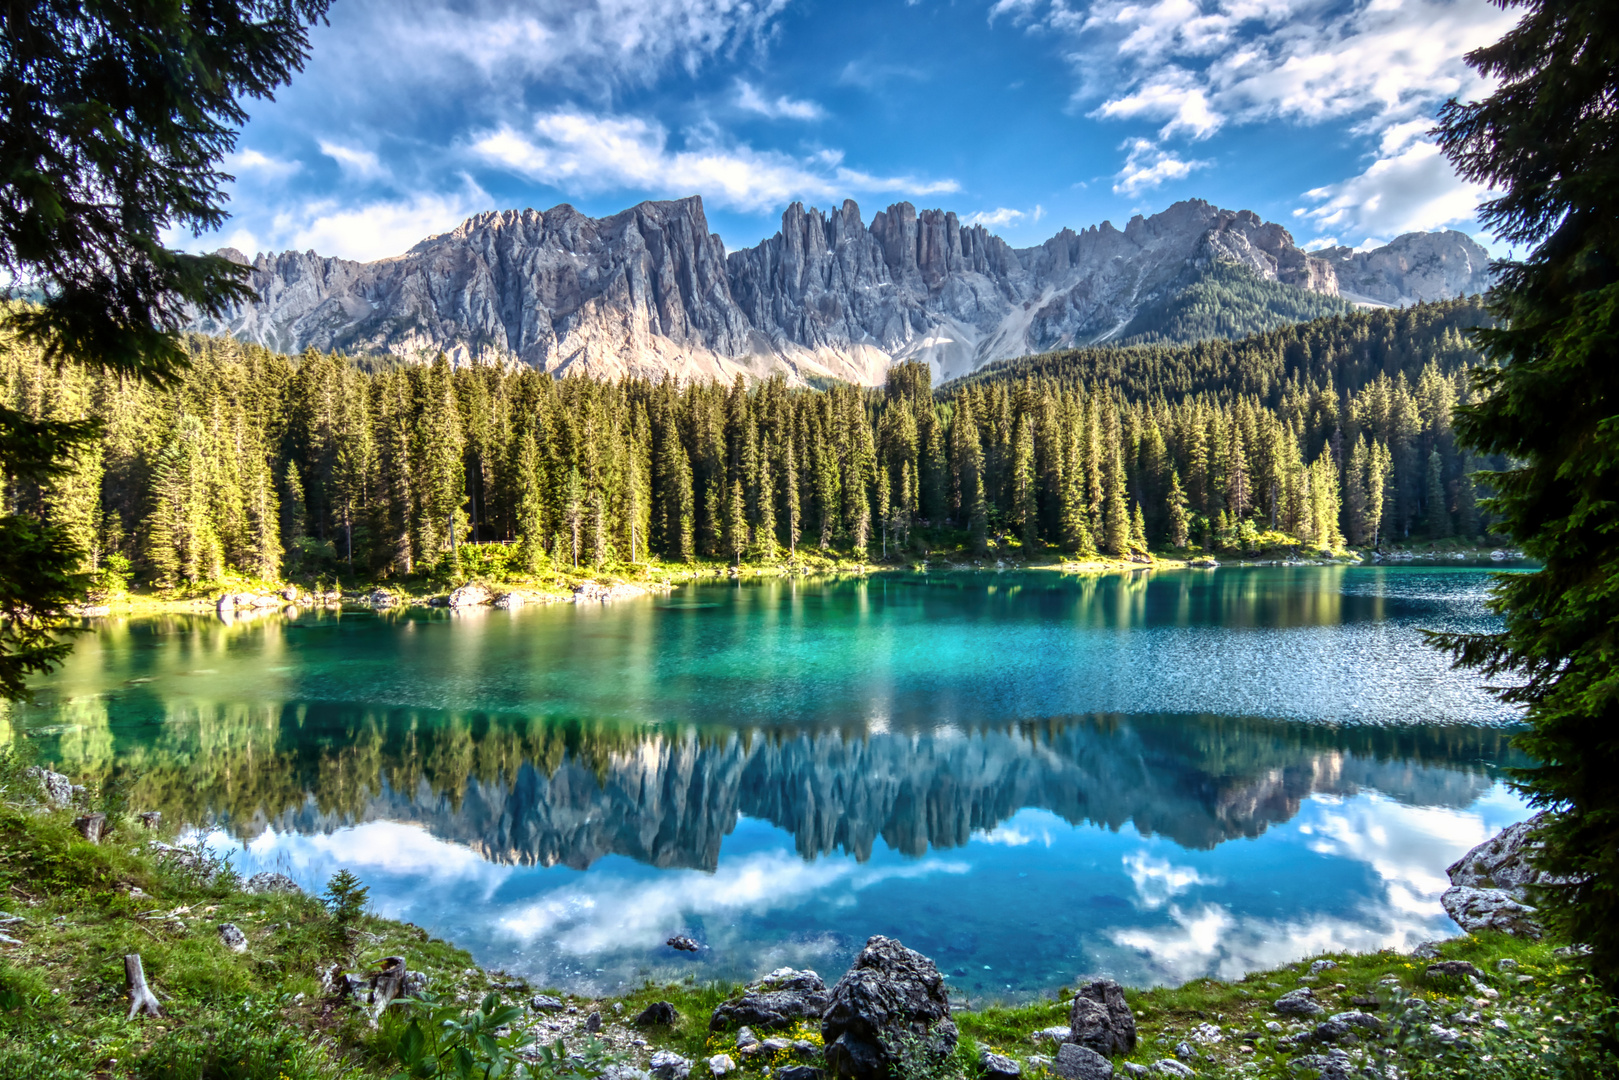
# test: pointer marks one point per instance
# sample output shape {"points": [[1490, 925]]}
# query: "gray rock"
{"points": [[593, 1022], [1428, 950], [1132, 1068], [745, 1037], [659, 1012], [1056, 1035], [668, 1065], [1100, 1018], [546, 1003], [1076, 1062], [469, 596], [994, 1066], [1319, 966], [721, 1064], [1333, 1065], [231, 936], [1185, 1051], [415, 984], [777, 1000], [270, 882], [1300, 1002], [797, 1072], [624, 1072], [827, 295], [57, 789], [1171, 1067], [1452, 969], [891, 996], [1475, 910]]}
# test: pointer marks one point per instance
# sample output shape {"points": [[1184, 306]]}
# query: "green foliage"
{"points": [[345, 898], [1226, 300], [1547, 138], [251, 1041], [435, 1039]]}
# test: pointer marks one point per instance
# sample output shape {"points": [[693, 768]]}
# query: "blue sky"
{"points": [[1027, 115]]}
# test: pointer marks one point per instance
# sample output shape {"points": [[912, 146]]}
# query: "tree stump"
{"points": [[141, 998], [387, 983], [91, 826], [151, 819]]}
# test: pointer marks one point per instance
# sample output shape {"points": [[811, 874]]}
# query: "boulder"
{"points": [[1171, 1067], [682, 943], [380, 598], [1489, 909], [777, 1000], [668, 1065], [58, 789], [721, 1064], [509, 601], [1056, 1034], [1335, 1064], [1452, 969], [231, 936], [546, 1003], [1076, 1062], [1489, 885], [593, 1022], [268, 881], [659, 1012], [891, 1002], [1100, 1018], [1322, 965], [468, 596], [1300, 1002], [994, 1066]]}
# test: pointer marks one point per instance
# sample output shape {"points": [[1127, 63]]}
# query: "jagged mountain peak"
{"points": [[650, 290]]}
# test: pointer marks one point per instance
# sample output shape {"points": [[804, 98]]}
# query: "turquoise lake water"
{"points": [[1030, 778]]}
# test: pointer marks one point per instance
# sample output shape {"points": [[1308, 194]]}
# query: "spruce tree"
{"points": [[1179, 519], [1548, 137]]}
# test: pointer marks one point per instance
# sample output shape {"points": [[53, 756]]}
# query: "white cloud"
{"points": [[357, 162], [370, 230], [1414, 189], [245, 162], [782, 108], [504, 45], [1001, 215], [1171, 95], [586, 152], [1149, 165]]}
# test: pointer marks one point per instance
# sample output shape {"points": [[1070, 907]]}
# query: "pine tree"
{"points": [[1179, 520], [1115, 509], [1438, 512], [1026, 514], [531, 506]]}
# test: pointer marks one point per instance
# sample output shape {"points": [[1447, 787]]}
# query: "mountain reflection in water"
{"points": [[1021, 845]]}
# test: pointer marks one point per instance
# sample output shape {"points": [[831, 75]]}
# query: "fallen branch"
{"points": [[141, 998]]}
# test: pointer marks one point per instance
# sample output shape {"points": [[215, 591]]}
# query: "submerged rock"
{"points": [[775, 1001], [892, 999]]}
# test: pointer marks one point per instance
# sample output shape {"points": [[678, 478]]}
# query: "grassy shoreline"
{"points": [[265, 1014]]}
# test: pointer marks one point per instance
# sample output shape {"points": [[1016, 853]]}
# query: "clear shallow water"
{"points": [[1027, 777]]}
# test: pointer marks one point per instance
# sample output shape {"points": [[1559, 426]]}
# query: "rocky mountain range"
{"points": [[651, 290]]}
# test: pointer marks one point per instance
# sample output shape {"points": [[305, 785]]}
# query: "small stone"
{"points": [[1185, 1051], [1525, 979], [593, 1022], [668, 1065], [1506, 963], [797, 1072], [1428, 950], [1207, 1034], [746, 1038], [683, 943], [1300, 1002], [1273, 1027], [546, 1003], [1076, 1062], [659, 1012], [270, 882], [1322, 965], [231, 936], [1056, 1035], [1171, 1067], [998, 1066], [1132, 1068], [721, 1064]]}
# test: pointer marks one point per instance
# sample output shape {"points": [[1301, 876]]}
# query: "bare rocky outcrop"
{"points": [[777, 1000], [891, 1002], [650, 291], [1100, 1019]]}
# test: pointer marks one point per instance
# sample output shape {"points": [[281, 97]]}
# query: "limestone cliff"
{"points": [[651, 291]]}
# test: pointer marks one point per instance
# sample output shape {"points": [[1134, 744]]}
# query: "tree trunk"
{"points": [[141, 998], [152, 818], [387, 984], [91, 826]]}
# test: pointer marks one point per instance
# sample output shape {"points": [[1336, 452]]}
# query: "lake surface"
{"points": [[1028, 777]]}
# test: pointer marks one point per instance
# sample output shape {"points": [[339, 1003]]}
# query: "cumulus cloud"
{"points": [[1158, 881], [588, 152], [1149, 165], [1413, 189], [365, 229], [783, 107]]}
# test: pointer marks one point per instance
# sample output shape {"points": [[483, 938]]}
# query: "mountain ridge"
{"points": [[651, 291]]}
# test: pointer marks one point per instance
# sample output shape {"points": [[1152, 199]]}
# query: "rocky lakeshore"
{"points": [[128, 954]]}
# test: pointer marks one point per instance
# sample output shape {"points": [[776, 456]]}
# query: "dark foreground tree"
{"points": [[1549, 139], [115, 116]]}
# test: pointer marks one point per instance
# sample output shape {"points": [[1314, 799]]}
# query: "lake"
{"points": [[1028, 777]]}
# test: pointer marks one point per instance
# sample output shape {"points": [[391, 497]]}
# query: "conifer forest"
{"points": [[263, 465]]}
